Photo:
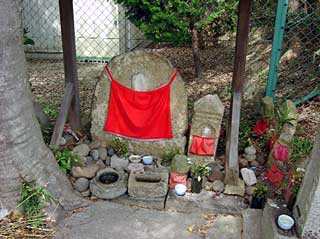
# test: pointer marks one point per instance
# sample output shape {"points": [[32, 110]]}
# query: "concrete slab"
{"points": [[205, 202], [251, 223], [106, 220], [225, 227]]}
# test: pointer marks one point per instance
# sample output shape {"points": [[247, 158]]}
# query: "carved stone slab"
{"points": [[206, 121]]}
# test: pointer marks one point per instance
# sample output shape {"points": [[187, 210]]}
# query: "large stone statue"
{"points": [[142, 71]]}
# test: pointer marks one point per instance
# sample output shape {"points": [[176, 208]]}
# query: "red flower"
{"points": [[261, 127]]}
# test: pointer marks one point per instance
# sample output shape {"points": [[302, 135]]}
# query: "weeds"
{"points": [[32, 202], [168, 155], [301, 148], [65, 159]]}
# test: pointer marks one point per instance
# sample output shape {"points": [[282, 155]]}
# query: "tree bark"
{"points": [[23, 154], [196, 52]]}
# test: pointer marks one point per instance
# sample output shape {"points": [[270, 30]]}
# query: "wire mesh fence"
{"points": [[299, 70], [101, 29]]}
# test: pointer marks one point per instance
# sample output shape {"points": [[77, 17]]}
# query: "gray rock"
{"points": [[248, 176], [94, 154], [102, 153], [218, 186], [111, 152], [250, 150], [100, 163], [81, 150], [250, 157], [88, 171], [43, 119], [107, 162], [112, 190], [86, 193], [156, 71], [119, 163], [89, 160], [81, 184]]}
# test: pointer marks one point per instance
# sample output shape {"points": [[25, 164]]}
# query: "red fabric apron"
{"points": [[202, 145], [141, 115]]}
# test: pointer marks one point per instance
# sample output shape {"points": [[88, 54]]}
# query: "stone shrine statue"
{"points": [[141, 71]]}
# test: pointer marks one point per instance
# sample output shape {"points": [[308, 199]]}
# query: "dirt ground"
{"points": [[47, 81]]}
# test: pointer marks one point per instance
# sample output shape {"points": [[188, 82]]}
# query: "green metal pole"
{"points": [[276, 47], [307, 97]]}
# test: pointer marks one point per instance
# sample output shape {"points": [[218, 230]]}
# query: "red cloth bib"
{"points": [[141, 115], [202, 145]]}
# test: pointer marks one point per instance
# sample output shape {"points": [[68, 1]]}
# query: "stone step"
{"points": [[269, 227], [251, 223], [205, 202]]}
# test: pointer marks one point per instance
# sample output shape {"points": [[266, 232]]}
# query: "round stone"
{"points": [[250, 150], [102, 153], [243, 163], [81, 184], [218, 186], [111, 152], [81, 150], [94, 154], [250, 157]]}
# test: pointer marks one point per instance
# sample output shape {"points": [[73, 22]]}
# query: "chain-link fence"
{"points": [[299, 70], [101, 29]]}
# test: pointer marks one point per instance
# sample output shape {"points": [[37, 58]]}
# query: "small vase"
{"points": [[196, 185], [258, 203]]}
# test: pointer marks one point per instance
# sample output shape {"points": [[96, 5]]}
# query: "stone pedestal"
{"points": [[206, 121], [144, 71], [307, 208], [148, 184]]}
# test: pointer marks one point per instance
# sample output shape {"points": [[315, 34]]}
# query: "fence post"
{"points": [[69, 57], [276, 47]]}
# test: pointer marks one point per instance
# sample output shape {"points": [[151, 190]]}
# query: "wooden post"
{"points": [[232, 162], [69, 57], [62, 117]]}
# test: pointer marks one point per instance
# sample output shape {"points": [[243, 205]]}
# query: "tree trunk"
{"points": [[196, 52], [23, 154]]}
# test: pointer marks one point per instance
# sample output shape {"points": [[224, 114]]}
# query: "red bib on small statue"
{"points": [[143, 115], [202, 145]]}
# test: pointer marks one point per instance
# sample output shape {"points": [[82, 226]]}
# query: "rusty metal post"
{"points": [[232, 162], [69, 57]]}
